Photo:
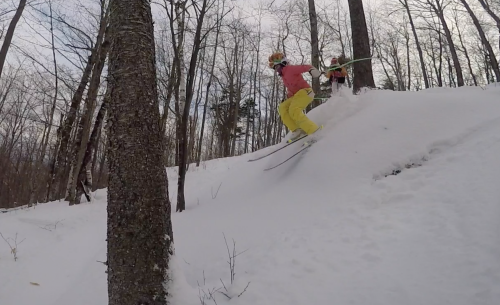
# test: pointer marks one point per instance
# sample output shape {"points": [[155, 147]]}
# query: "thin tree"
{"points": [[313, 19], [10, 33], [209, 84], [363, 74], [45, 140], [62, 156], [496, 17], [438, 8], [186, 106], [140, 239], [484, 40], [417, 43]]}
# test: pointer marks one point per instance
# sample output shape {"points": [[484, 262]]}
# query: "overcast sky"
{"points": [[34, 39]]}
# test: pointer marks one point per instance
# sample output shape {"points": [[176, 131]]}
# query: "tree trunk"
{"points": [[39, 162], [363, 74], [249, 113], [140, 238], [408, 63], [183, 153], [87, 157], [313, 19], [239, 87], [170, 91], [10, 34], [464, 48], [84, 126], [209, 84]]}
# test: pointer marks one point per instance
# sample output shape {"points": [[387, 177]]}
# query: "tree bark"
{"points": [[140, 238]]}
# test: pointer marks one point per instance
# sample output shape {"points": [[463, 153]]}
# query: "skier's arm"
{"points": [[299, 69]]}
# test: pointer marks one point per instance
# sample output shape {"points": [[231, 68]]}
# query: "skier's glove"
{"points": [[314, 72]]}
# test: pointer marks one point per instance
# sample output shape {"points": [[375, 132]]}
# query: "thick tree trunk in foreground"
{"points": [[139, 227]]}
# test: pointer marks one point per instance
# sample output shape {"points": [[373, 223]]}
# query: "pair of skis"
{"points": [[305, 146]]}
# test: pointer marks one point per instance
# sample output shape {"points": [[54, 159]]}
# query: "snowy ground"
{"points": [[331, 227]]}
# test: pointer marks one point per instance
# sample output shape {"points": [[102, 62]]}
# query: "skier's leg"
{"points": [[335, 87], [299, 102], [284, 112]]}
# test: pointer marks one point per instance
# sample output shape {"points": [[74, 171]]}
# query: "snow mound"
{"points": [[397, 203]]}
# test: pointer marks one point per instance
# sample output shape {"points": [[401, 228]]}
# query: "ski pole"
{"points": [[349, 62]]}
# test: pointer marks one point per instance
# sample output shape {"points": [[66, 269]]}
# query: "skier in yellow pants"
{"points": [[299, 95]]}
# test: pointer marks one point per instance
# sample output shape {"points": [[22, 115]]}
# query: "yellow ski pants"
{"points": [[291, 111]]}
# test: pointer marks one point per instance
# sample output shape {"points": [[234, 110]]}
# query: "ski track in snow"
{"points": [[325, 228]]}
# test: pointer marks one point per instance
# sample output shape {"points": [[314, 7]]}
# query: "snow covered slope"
{"points": [[333, 226]]}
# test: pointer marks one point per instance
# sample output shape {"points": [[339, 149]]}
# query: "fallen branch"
{"points": [[13, 248], [217, 192], [239, 295], [54, 226]]}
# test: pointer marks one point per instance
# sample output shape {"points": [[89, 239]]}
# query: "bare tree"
{"points": [[84, 126], [46, 137], [487, 7], [415, 36], [209, 83], [59, 167], [184, 109], [438, 8], [484, 40], [10, 33]]}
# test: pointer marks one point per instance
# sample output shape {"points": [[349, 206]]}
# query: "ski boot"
{"points": [[296, 134]]}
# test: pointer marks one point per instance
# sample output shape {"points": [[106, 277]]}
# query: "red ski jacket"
{"points": [[292, 78]]}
